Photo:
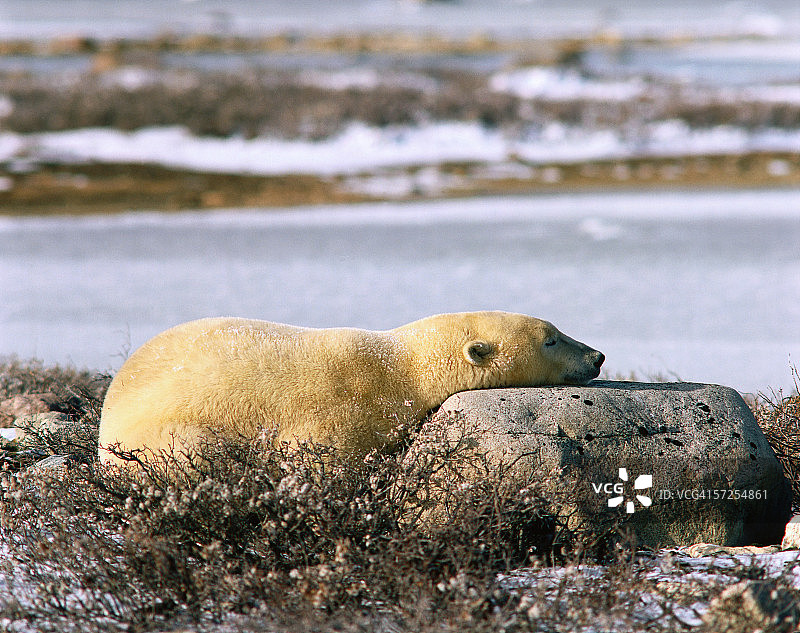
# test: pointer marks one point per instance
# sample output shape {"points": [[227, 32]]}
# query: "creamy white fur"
{"points": [[350, 388]]}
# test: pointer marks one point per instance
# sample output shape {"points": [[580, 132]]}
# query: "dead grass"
{"points": [[113, 188]]}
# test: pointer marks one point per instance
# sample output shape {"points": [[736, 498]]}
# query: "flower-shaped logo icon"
{"points": [[642, 482]]}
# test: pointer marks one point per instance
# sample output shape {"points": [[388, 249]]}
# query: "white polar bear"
{"points": [[349, 388]]}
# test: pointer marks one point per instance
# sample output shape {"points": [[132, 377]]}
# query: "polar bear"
{"points": [[343, 387]]}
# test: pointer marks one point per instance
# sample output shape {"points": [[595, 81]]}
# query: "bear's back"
{"points": [[238, 376]]}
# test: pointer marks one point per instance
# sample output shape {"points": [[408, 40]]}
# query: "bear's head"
{"points": [[502, 349]]}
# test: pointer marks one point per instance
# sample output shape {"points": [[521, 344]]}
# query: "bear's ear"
{"points": [[479, 352]]}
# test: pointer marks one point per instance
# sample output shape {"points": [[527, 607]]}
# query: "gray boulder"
{"points": [[675, 463]]}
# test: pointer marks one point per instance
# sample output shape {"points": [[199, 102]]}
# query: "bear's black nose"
{"points": [[600, 359]]}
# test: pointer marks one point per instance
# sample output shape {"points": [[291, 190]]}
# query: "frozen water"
{"points": [[705, 286], [508, 18]]}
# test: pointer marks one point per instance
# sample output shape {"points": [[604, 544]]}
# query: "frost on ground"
{"points": [[667, 591], [676, 589]]}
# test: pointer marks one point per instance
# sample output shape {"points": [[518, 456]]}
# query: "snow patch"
{"points": [[366, 79], [555, 84], [6, 106], [360, 149], [599, 230]]}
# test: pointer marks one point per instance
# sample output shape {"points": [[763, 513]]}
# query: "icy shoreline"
{"points": [[361, 148]]}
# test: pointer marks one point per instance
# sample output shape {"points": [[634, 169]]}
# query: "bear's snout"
{"points": [[596, 360]]}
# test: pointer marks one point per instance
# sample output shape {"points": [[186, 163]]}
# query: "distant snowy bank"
{"points": [[363, 148]]}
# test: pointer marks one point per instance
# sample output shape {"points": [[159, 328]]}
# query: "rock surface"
{"points": [[55, 465], [791, 537], [699, 550], [26, 404], [677, 463], [752, 605]]}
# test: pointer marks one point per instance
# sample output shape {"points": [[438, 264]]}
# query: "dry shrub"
{"points": [[264, 102], [250, 103], [246, 528], [779, 418], [79, 391]]}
